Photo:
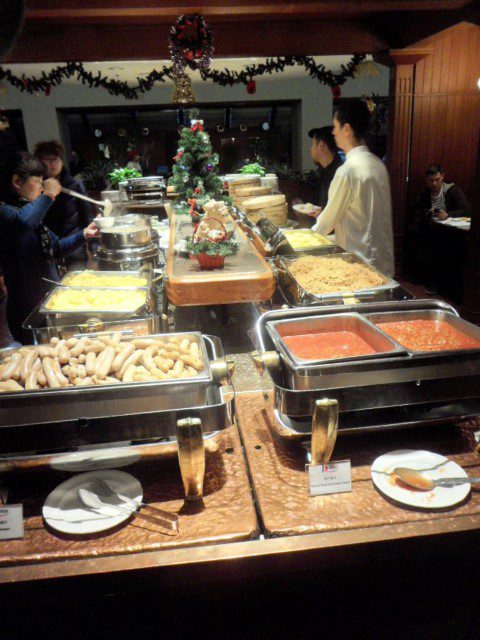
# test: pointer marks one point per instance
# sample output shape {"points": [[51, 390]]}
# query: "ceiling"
{"points": [[89, 30]]}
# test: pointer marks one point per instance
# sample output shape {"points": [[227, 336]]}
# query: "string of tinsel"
{"points": [[45, 82]]}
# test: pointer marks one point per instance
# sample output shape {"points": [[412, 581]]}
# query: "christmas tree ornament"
{"points": [[122, 133], [183, 92], [48, 90], [336, 91], [251, 87], [145, 131], [220, 128], [243, 127]]}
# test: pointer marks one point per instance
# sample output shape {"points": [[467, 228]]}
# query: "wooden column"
{"points": [[401, 92], [471, 283]]}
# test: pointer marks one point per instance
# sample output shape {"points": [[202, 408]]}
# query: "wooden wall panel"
{"points": [[446, 112]]}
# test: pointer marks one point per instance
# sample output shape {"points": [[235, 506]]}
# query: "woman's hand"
{"points": [[51, 188], [92, 231]]}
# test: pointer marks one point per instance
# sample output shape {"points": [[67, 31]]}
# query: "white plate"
{"points": [[64, 512], [434, 466], [300, 208]]}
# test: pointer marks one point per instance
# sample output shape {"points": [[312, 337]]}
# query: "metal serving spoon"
{"points": [[418, 480], [106, 204], [93, 502]]}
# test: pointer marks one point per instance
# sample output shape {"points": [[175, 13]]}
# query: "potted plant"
{"points": [[121, 175], [209, 245]]}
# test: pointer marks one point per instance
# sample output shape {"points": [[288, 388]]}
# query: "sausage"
{"points": [[133, 359], [27, 364], [62, 380], [196, 363], [78, 348], [185, 345], [81, 371], [16, 375], [129, 373], [82, 382], [164, 364], [49, 371], [143, 343], [41, 378], [122, 356], [54, 341], [97, 346], [63, 354], [90, 363], [11, 366], [178, 367], [37, 365], [10, 385], [147, 357], [31, 381], [104, 363], [71, 342], [194, 350], [82, 358], [45, 351]]}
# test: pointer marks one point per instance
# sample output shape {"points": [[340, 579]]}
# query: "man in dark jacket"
{"points": [[440, 200], [67, 214]]}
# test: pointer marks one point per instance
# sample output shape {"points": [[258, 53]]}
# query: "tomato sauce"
{"points": [[428, 335], [328, 345]]}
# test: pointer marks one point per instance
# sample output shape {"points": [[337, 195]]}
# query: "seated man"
{"points": [[439, 201]]}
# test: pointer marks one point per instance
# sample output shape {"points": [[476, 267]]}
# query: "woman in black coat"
{"points": [[28, 250]]}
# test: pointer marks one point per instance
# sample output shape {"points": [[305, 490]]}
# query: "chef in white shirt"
{"points": [[359, 204]]}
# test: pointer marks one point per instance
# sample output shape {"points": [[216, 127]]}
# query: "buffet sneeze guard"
{"points": [[401, 388]]}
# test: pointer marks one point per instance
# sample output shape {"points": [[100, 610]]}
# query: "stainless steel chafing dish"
{"points": [[305, 374], [121, 275], [146, 188], [41, 426], [405, 388], [144, 303], [296, 295]]}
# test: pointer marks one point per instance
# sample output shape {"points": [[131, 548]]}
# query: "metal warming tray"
{"points": [[287, 248], [109, 311], [298, 296], [121, 275], [351, 322], [383, 392], [44, 426]]}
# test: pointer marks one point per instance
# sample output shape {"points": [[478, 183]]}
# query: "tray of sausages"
{"points": [[105, 375]]}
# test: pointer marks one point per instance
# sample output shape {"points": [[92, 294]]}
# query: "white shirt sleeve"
{"points": [[339, 197]]}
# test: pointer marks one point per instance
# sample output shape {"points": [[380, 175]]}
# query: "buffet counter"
{"points": [[257, 517]]}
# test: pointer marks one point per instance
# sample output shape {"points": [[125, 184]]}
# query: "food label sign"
{"points": [[334, 477], [11, 521]]}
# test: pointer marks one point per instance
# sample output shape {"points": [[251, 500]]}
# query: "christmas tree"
{"points": [[195, 170]]}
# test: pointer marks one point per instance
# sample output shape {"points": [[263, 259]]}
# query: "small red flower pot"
{"points": [[210, 262]]}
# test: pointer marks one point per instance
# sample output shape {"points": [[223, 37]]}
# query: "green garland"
{"points": [[44, 83]]}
